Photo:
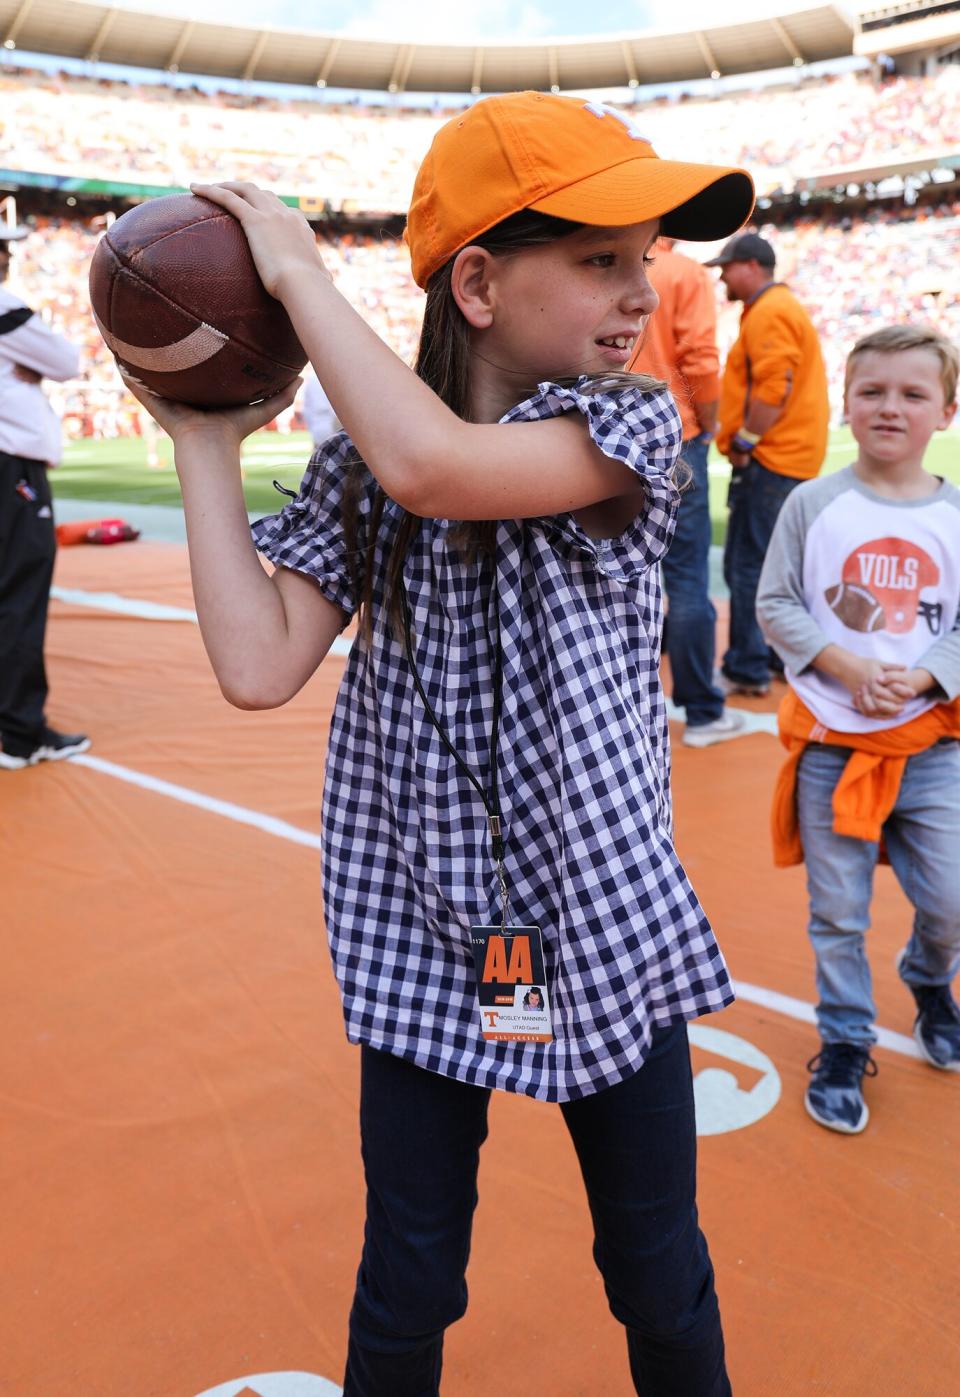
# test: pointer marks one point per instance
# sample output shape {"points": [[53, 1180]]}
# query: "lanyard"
{"points": [[491, 798]]}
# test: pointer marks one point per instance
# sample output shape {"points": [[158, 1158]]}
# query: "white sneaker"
{"points": [[733, 686], [731, 723]]}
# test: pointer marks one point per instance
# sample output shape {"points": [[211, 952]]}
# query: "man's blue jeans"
{"points": [[636, 1144], [691, 625], [755, 499], [922, 836]]}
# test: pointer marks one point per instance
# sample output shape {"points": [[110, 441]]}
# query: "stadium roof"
{"points": [[141, 38]]}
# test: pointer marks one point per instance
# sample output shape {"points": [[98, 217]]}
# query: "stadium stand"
{"points": [[364, 157], [859, 197]]}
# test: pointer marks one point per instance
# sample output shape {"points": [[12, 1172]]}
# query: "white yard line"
{"points": [[799, 1009], [148, 610], [238, 813], [123, 606]]}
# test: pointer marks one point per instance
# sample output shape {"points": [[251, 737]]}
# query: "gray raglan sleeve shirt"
{"points": [[782, 607]]}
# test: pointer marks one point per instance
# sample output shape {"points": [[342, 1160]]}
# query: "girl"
{"points": [[496, 808]]}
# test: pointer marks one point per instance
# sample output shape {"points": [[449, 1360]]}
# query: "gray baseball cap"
{"points": [[745, 247]]}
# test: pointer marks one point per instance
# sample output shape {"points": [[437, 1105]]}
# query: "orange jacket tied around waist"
{"points": [[870, 783]]}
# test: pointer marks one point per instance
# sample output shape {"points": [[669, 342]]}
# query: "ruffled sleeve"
{"points": [[642, 429], [308, 536]]}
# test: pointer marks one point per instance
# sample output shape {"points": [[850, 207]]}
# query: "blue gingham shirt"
{"points": [[584, 774]]}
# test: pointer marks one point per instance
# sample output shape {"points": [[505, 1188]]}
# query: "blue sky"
{"points": [[485, 20]]}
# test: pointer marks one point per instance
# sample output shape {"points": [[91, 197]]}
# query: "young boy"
{"points": [[860, 594]]}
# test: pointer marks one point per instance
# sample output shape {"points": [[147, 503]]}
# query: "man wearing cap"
{"points": [[774, 414], [680, 345], [29, 443]]}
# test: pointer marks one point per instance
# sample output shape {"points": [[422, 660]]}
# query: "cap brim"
{"points": [[698, 203], [13, 235]]}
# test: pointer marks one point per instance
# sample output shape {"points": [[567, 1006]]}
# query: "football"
{"points": [[177, 298], [856, 607]]}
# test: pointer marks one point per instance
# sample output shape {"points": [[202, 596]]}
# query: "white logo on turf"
{"points": [[275, 1385], [722, 1103]]}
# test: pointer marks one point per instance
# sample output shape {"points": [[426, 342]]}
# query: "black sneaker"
{"points": [[835, 1096], [15, 754], [937, 1029], [51, 746]]}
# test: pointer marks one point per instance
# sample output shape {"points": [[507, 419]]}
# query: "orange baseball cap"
{"points": [[565, 156]]}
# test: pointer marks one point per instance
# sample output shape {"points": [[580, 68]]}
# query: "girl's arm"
{"points": [[265, 635], [425, 457]]}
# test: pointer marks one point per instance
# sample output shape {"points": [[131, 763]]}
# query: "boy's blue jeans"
{"points": [[690, 631], [922, 837], [636, 1143], [755, 498]]}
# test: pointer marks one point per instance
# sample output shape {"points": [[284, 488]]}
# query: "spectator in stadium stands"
{"points": [[774, 415], [29, 444], [680, 345], [319, 416]]}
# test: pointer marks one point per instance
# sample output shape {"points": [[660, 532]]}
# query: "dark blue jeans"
{"points": [[636, 1143], [689, 635], [755, 499]]}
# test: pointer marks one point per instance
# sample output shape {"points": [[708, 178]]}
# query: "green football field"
{"points": [[117, 471]]}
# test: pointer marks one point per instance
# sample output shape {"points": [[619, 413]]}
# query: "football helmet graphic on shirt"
{"points": [[881, 585]]}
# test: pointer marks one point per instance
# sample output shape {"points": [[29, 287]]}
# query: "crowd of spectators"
{"points": [[856, 274], [853, 273], [365, 156]]}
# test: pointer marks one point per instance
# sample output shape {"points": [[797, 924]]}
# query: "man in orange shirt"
{"points": [[774, 414], [680, 345]]}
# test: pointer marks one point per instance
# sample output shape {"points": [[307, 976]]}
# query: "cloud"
{"points": [[439, 22], [696, 14]]}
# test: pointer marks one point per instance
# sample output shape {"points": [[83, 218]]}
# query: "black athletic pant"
{"points": [[636, 1143], [27, 549]]}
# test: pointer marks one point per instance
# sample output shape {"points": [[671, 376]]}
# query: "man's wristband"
{"points": [[744, 441]]}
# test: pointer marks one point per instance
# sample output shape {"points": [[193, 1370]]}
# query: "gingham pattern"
{"points": [[584, 774]]}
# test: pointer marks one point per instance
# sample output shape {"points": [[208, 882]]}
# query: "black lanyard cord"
{"points": [[491, 800]]}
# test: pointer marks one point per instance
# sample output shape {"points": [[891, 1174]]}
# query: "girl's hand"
{"points": [[180, 421], [281, 240]]}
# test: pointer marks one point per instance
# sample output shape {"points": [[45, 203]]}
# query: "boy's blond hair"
{"points": [[894, 339]]}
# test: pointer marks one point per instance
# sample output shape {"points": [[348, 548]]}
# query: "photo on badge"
{"points": [[512, 997]]}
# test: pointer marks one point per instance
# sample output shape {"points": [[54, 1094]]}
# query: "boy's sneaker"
{"points": [[835, 1096], [51, 746], [937, 1025], [729, 724], [728, 687], [937, 1029]]}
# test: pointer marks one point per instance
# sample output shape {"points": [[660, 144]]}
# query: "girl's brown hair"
{"points": [[443, 362]]}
